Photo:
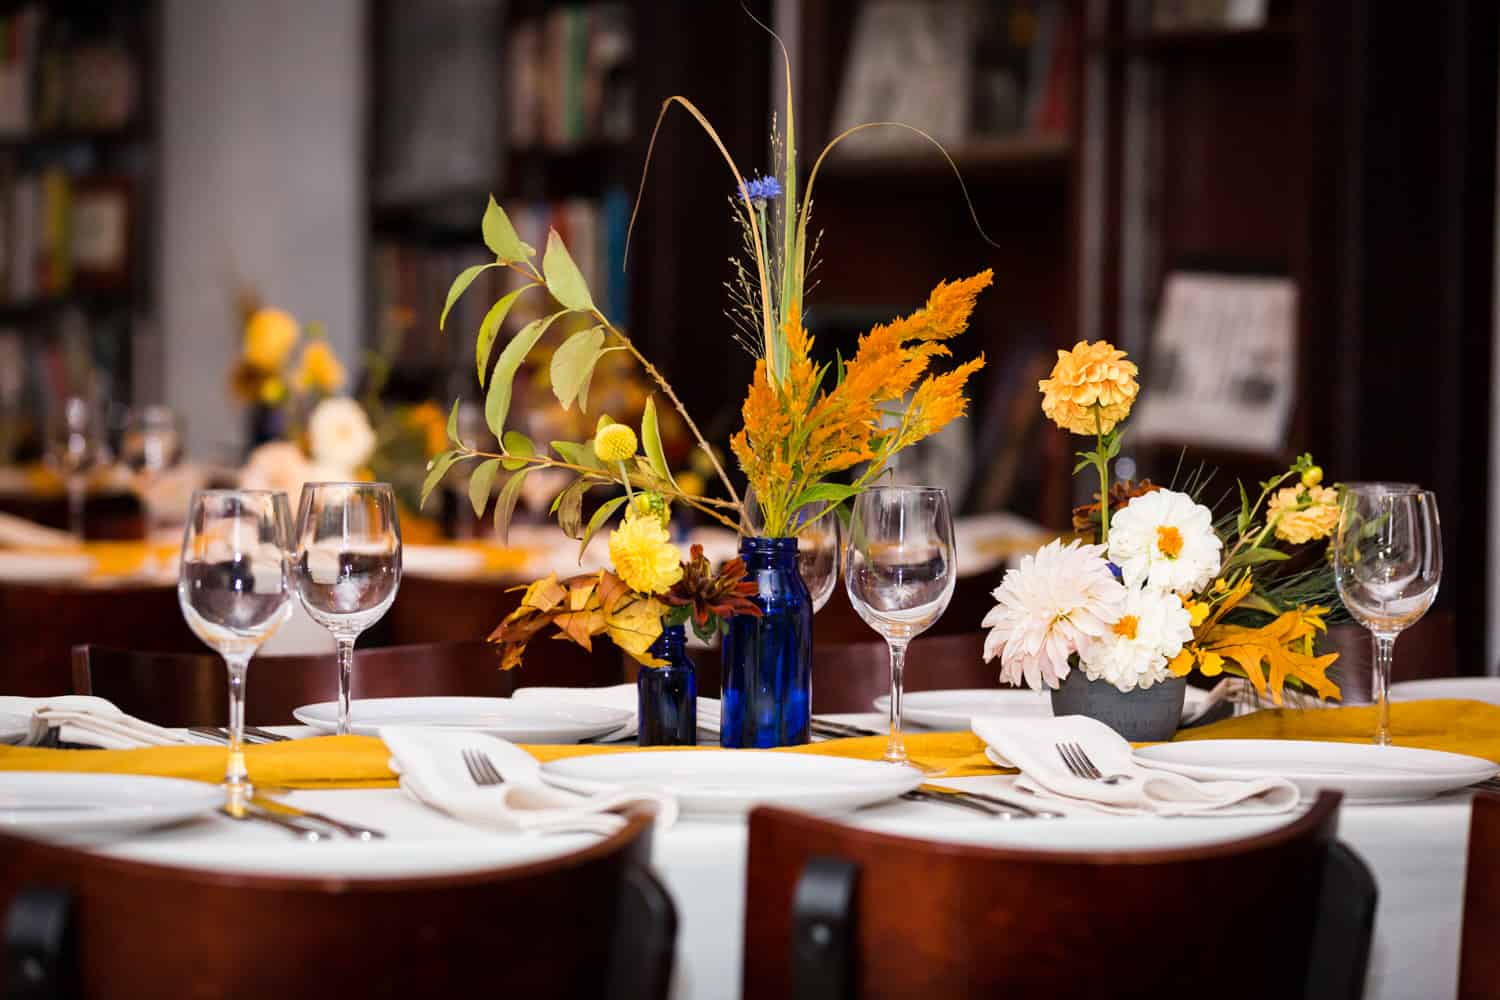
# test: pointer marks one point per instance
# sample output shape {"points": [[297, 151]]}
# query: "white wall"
{"points": [[262, 183]]}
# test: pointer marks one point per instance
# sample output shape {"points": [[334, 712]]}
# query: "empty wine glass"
{"points": [[151, 447], [819, 550], [234, 589], [1387, 563], [348, 564], [75, 445], [899, 567]]}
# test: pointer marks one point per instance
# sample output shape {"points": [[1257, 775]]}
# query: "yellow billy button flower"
{"points": [[615, 443], [1313, 476]]}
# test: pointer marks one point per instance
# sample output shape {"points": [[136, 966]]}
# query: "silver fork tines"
{"points": [[1082, 766], [481, 769]]}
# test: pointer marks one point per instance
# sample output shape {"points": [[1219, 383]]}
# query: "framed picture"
{"points": [[100, 224]]}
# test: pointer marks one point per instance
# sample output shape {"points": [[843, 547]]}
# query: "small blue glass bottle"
{"points": [[667, 697], [768, 660]]}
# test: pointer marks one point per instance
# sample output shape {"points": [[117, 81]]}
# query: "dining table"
{"points": [[1417, 851]]}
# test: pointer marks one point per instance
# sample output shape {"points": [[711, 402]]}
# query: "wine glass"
{"points": [[348, 564], [1387, 563], [818, 544], [75, 445], [234, 588], [151, 447], [899, 567]]}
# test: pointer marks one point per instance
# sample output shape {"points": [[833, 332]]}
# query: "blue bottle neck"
{"points": [[764, 553], [671, 645]]}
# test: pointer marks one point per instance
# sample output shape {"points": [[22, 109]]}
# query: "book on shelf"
{"points": [[62, 75], [569, 81], [62, 233]]}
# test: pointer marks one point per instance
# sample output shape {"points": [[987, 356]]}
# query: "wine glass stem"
{"points": [[895, 750], [77, 488], [346, 673], [1380, 686], [236, 778]]}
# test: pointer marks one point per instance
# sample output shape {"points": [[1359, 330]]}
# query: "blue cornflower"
{"points": [[762, 189]]}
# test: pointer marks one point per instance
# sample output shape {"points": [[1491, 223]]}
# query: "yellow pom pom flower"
{"points": [[320, 369], [644, 555], [614, 443], [270, 335], [1303, 515], [1091, 389]]}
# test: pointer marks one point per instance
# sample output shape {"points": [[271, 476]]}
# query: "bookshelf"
{"points": [[78, 139]]}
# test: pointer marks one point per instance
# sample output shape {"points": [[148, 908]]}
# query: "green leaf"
{"points": [[501, 237], [568, 506], [651, 442], [596, 522], [505, 507], [517, 444], [709, 628], [482, 483], [497, 402], [1256, 556], [573, 363], [1084, 464], [453, 424], [579, 454], [460, 285], [489, 328], [1255, 602], [1243, 521], [436, 470], [564, 280], [829, 492]]}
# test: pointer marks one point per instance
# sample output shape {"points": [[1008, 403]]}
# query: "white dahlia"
{"points": [[1165, 541], [1058, 602], [1152, 630], [340, 436]]}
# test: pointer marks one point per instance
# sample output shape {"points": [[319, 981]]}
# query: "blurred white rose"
{"points": [[340, 435], [281, 466]]}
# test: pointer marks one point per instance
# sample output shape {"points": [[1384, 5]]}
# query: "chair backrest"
{"points": [[556, 928], [192, 689], [837, 913], [41, 623], [1479, 959], [849, 676]]}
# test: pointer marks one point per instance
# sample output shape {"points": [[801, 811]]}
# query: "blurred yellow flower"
{"points": [[1302, 515], [1091, 389], [427, 418], [691, 483], [615, 443], [270, 335], [320, 369], [272, 391], [644, 555]]}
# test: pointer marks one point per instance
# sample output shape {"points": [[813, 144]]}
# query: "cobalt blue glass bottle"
{"points": [[668, 696], [767, 696]]}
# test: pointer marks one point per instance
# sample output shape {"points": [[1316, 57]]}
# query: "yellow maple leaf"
{"points": [[1280, 645]]}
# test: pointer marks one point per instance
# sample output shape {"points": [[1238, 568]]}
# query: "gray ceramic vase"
{"points": [[1147, 715]]}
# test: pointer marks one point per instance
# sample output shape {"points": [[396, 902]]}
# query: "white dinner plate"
{"points": [[13, 728], [1362, 771], [441, 561], [61, 803], [955, 709], [527, 721], [1468, 688], [714, 782], [45, 567]]}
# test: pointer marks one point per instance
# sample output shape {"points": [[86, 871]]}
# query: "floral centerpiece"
{"points": [[1159, 585], [815, 433]]}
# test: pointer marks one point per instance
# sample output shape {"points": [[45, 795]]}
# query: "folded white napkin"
{"points": [[86, 720], [1031, 745], [623, 697], [432, 769]]}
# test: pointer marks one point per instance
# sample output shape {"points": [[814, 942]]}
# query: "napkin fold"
{"points": [[86, 720], [617, 696], [1031, 746], [430, 763]]}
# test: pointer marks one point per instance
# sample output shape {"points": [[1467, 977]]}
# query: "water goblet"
{"points": [[1387, 564], [347, 565], [234, 589], [819, 548], [75, 445], [151, 447], [900, 570]]}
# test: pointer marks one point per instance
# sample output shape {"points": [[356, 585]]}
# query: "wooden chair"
{"points": [[1478, 959], [835, 912], [594, 923], [193, 689], [849, 676], [41, 623]]}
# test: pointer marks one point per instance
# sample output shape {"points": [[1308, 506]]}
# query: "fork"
{"points": [[481, 770], [1081, 766], [253, 735]]}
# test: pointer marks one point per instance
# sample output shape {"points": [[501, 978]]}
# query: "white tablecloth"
{"points": [[1417, 852]]}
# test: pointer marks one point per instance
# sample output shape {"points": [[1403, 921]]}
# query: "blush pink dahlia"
{"points": [[1060, 601]]}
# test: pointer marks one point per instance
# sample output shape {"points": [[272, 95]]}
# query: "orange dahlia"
{"points": [[1091, 389]]}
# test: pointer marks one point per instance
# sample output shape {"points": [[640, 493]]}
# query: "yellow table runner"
{"points": [[1469, 727]]}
